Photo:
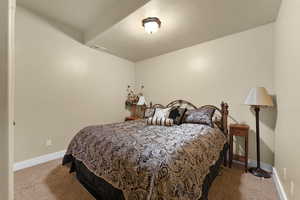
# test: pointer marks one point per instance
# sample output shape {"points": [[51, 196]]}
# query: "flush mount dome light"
{"points": [[151, 24]]}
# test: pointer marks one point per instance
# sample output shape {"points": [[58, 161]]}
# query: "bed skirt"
{"points": [[102, 190]]}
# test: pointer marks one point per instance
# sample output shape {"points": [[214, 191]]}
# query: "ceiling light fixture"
{"points": [[151, 24]]}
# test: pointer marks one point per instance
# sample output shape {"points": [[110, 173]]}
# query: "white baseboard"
{"points": [[279, 187], [280, 190], [38, 160]]}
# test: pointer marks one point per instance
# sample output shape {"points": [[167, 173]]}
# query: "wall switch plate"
{"points": [[48, 142]]}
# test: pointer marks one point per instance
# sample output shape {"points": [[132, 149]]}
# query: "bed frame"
{"points": [[102, 190], [223, 111]]}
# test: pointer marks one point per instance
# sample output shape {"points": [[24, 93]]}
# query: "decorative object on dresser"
{"points": [[132, 98], [142, 101], [136, 103], [243, 131], [258, 97]]}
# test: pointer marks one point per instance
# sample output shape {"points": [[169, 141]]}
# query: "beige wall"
{"points": [[62, 86], [6, 106], [55, 73], [287, 82], [222, 69], [4, 100]]}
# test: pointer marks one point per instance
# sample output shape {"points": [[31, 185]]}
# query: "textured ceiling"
{"points": [[116, 26], [77, 13], [184, 23], [83, 15]]}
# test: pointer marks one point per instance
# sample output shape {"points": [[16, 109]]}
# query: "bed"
{"points": [[135, 161]]}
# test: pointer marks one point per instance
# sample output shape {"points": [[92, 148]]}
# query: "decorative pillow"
{"points": [[177, 114], [200, 116], [149, 112], [160, 121], [161, 113]]}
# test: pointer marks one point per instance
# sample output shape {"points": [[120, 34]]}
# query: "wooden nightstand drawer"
{"points": [[238, 132]]}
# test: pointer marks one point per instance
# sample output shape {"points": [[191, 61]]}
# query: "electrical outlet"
{"points": [[48, 142], [284, 174], [292, 188]]}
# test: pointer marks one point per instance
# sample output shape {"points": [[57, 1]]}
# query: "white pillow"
{"points": [[161, 121], [161, 113]]}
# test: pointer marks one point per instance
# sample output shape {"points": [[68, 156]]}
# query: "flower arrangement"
{"points": [[132, 98]]}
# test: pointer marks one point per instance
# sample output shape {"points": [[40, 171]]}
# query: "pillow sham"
{"points": [[160, 121], [200, 116], [149, 112], [161, 113], [177, 114]]}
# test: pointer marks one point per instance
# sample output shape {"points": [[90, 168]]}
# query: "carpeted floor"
{"points": [[51, 181]]}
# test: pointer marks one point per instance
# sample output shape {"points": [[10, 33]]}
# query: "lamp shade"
{"points": [[259, 97], [142, 101]]}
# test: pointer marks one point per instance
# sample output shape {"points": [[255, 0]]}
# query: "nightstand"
{"points": [[243, 131], [131, 118]]}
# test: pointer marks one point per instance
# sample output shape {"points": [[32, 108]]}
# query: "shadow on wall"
{"points": [[268, 116], [266, 152]]}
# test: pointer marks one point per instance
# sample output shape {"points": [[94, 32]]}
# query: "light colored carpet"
{"points": [[51, 181]]}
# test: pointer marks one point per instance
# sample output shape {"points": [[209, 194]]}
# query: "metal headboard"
{"points": [[223, 111]]}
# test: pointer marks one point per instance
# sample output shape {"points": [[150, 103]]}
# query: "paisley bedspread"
{"points": [[150, 162]]}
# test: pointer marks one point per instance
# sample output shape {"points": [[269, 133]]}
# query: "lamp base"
{"points": [[259, 172]]}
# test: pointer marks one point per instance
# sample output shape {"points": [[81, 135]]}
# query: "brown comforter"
{"points": [[150, 162]]}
